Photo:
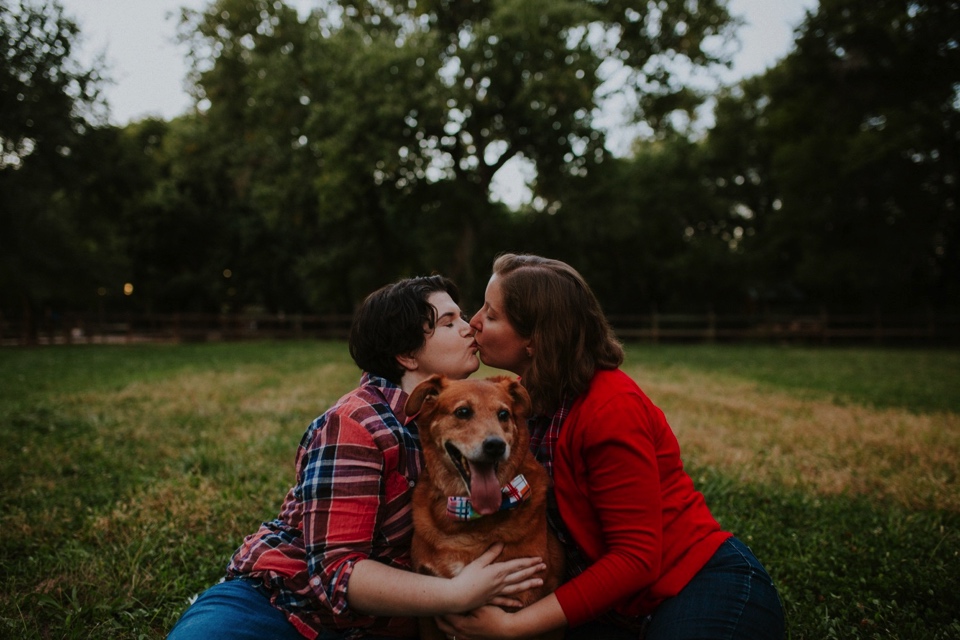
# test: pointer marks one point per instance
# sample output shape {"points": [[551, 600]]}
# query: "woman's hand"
{"points": [[484, 581], [485, 622], [493, 622]]}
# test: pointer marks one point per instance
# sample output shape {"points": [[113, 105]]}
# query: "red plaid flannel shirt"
{"points": [[356, 468]]}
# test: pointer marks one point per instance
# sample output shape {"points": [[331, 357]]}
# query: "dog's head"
{"points": [[474, 434]]}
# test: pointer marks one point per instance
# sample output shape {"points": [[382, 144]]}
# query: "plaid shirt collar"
{"points": [[392, 394], [544, 432]]}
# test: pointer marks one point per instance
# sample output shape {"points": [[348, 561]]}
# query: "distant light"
{"points": [[128, 289], [227, 273], [101, 291]]}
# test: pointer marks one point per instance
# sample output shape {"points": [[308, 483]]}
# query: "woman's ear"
{"points": [[408, 362]]}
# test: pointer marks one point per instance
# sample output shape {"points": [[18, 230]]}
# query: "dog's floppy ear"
{"points": [[424, 395], [519, 395]]}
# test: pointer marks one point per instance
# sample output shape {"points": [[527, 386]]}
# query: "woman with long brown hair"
{"points": [[647, 558]]}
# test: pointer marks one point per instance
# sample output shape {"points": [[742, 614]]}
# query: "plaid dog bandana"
{"points": [[515, 492]]}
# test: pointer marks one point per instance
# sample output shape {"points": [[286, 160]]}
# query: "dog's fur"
{"points": [[481, 423]]}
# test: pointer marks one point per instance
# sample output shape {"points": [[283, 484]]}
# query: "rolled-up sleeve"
{"points": [[341, 480]]}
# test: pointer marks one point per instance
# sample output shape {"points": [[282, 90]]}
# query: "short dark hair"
{"points": [[395, 320]]}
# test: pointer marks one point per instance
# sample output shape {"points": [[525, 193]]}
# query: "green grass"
{"points": [[128, 475], [848, 567], [919, 380]]}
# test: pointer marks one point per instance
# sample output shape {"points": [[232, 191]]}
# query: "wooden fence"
{"points": [[823, 328]]}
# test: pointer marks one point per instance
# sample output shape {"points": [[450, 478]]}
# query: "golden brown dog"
{"points": [[475, 447]]}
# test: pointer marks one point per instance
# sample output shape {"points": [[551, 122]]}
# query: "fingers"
{"points": [[509, 566], [490, 554], [510, 603], [528, 566], [522, 574], [518, 587]]}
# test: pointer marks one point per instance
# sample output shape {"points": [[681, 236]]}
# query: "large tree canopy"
{"points": [[349, 121]]}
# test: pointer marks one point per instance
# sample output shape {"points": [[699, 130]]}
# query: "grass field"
{"points": [[128, 475]]}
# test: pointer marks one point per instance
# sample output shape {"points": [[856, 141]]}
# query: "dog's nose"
{"points": [[494, 447]]}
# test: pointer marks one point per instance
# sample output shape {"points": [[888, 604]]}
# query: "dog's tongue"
{"points": [[484, 488]]}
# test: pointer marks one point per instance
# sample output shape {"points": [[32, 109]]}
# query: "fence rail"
{"points": [[823, 328]]}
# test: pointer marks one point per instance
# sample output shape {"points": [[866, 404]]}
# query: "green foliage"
{"points": [[646, 255], [50, 248], [842, 159], [333, 151], [353, 129]]}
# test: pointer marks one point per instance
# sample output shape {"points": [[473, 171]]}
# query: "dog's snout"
{"points": [[494, 447]]}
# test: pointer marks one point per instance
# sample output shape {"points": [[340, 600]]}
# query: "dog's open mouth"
{"points": [[480, 479]]}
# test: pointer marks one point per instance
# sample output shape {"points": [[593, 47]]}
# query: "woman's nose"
{"points": [[466, 330], [475, 321]]}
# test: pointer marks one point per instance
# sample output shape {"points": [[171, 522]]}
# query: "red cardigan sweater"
{"points": [[629, 505]]}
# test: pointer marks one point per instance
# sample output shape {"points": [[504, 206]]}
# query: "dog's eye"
{"points": [[503, 415], [463, 412]]}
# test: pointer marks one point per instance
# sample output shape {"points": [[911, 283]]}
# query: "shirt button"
{"points": [[316, 581], [412, 483]]}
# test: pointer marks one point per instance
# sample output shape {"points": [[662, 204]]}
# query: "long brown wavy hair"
{"points": [[548, 302]]}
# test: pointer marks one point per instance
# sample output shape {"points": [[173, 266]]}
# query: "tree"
{"points": [[386, 114], [646, 232], [847, 155], [48, 101], [521, 79]]}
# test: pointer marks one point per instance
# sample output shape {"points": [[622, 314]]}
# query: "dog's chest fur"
{"points": [[442, 546]]}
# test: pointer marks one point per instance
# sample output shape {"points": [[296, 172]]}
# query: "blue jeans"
{"points": [[237, 610], [732, 596], [233, 610]]}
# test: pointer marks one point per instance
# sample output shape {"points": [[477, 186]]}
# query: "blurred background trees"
{"points": [[330, 153], [845, 157], [56, 242]]}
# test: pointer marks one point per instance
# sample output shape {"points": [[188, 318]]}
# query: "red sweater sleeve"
{"points": [[628, 503]]}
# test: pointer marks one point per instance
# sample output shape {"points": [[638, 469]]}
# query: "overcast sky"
{"points": [[148, 68]]}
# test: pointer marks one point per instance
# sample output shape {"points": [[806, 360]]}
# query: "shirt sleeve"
{"points": [[616, 454], [342, 473]]}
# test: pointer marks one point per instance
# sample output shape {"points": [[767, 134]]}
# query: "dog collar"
{"points": [[515, 492]]}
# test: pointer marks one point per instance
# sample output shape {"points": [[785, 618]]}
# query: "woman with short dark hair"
{"points": [[334, 563]]}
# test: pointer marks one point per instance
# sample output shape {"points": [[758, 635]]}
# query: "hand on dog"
{"points": [[484, 581], [483, 622]]}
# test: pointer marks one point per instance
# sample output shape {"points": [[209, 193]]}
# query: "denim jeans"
{"points": [[731, 597], [235, 610]]}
